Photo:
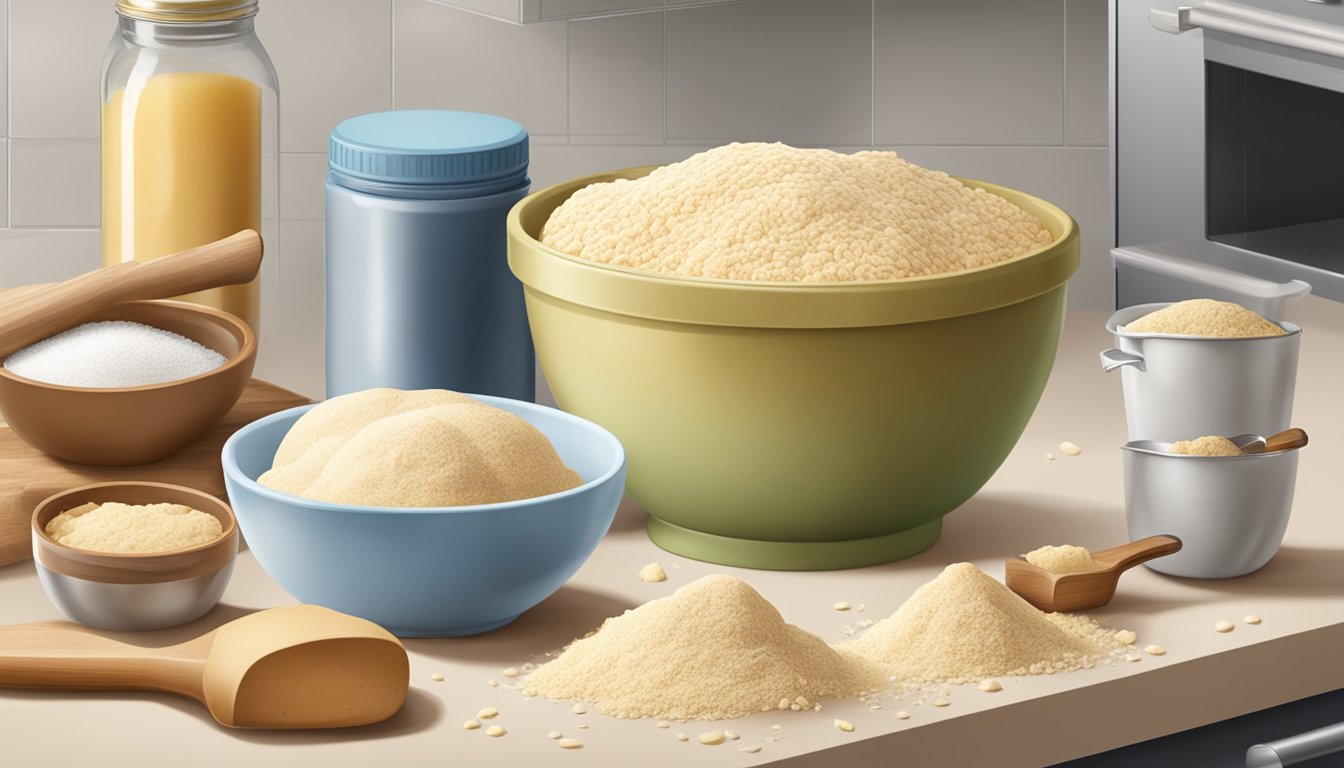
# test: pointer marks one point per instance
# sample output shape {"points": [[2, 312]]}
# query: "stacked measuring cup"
{"points": [[1230, 511]]}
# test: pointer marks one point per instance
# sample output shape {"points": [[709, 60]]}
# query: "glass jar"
{"points": [[190, 136]]}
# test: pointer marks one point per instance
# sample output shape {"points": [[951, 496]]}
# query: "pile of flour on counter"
{"points": [[965, 626], [715, 649]]}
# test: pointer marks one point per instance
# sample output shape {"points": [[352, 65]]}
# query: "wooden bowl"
{"points": [[134, 592], [121, 426]]}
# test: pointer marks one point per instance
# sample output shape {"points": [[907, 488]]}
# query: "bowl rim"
{"points": [[113, 558], [229, 459], [1149, 448], [246, 350], [1116, 328]]}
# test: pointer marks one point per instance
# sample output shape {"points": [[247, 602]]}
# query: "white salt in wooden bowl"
{"points": [[121, 426]]}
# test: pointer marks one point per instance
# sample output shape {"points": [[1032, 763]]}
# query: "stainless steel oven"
{"points": [[1227, 170], [1228, 150]]}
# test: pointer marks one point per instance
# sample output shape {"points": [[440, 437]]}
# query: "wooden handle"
{"points": [[1286, 440], [233, 260], [34, 315], [1127, 556], [14, 294], [36, 491], [64, 656]]}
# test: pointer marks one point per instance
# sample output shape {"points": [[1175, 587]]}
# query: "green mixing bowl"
{"points": [[790, 426]]}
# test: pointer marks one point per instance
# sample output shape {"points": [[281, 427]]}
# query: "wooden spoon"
{"points": [[1288, 439], [29, 315], [301, 666], [1086, 589]]}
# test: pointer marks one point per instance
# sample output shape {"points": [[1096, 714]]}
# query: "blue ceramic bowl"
{"points": [[428, 571]]}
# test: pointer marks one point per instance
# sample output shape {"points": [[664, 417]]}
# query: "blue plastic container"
{"points": [[443, 571], [419, 292]]}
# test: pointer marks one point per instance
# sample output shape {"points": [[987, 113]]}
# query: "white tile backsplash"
{"points": [[970, 72], [272, 335], [349, 73], [4, 189], [55, 183], [552, 164], [797, 71], [302, 190], [1014, 92], [1086, 73], [47, 256], [450, 59], [616, 80], [56, 52], [4, 71], [295, 335]]}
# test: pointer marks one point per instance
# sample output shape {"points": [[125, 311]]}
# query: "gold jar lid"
{"points": [[185, 11]]}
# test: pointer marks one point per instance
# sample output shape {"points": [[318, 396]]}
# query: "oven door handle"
{"points": [[1297, 749], [1231, 281], [1253, 23]]}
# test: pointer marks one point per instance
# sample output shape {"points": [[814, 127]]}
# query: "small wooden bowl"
{"points": [[134, 592], [121, 426]]}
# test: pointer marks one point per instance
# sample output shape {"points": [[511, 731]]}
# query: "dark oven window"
{"points": [[1275, 166]]}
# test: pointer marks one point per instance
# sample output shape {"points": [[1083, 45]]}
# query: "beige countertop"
{"points": [[1205, 676]]}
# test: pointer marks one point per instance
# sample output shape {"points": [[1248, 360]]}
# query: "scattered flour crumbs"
{"points": [[716, 649], [775, 213]]}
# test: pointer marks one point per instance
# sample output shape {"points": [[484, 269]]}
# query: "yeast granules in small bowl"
{"points": [[134, 591]]}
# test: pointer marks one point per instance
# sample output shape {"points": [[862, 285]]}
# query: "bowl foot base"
{"points": [[456, 632], [793, 555]]}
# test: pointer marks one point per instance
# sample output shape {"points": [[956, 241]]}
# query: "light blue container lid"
{"points": [[431, 147]]}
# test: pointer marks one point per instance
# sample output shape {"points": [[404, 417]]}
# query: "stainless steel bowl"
{"points": [[1230, 511], [1180, 387], [134, 592], [134, 607]]}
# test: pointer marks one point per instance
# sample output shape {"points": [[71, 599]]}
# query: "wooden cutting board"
{"points": [[28, 476]]}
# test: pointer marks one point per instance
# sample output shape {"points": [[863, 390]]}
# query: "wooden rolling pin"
{"points": [[31, 314]]}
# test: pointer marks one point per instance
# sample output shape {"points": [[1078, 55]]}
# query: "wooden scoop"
{"points": [[1087, 589], [1288, 439], [301, 666], [31, 314]]}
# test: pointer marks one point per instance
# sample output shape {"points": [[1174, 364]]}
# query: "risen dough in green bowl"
{"points": [[798, 427]]}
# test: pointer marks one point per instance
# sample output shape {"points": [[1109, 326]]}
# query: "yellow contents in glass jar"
{"points": [[181, 168]]}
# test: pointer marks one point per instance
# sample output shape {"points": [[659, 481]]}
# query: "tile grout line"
{"points": [[569, 74], [1064, 97], [392, 40], [9, 117], [663, 137], [710, 143], [872, 73]]}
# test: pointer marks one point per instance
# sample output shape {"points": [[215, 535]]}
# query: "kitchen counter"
{"points": [[1204, 677]]}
